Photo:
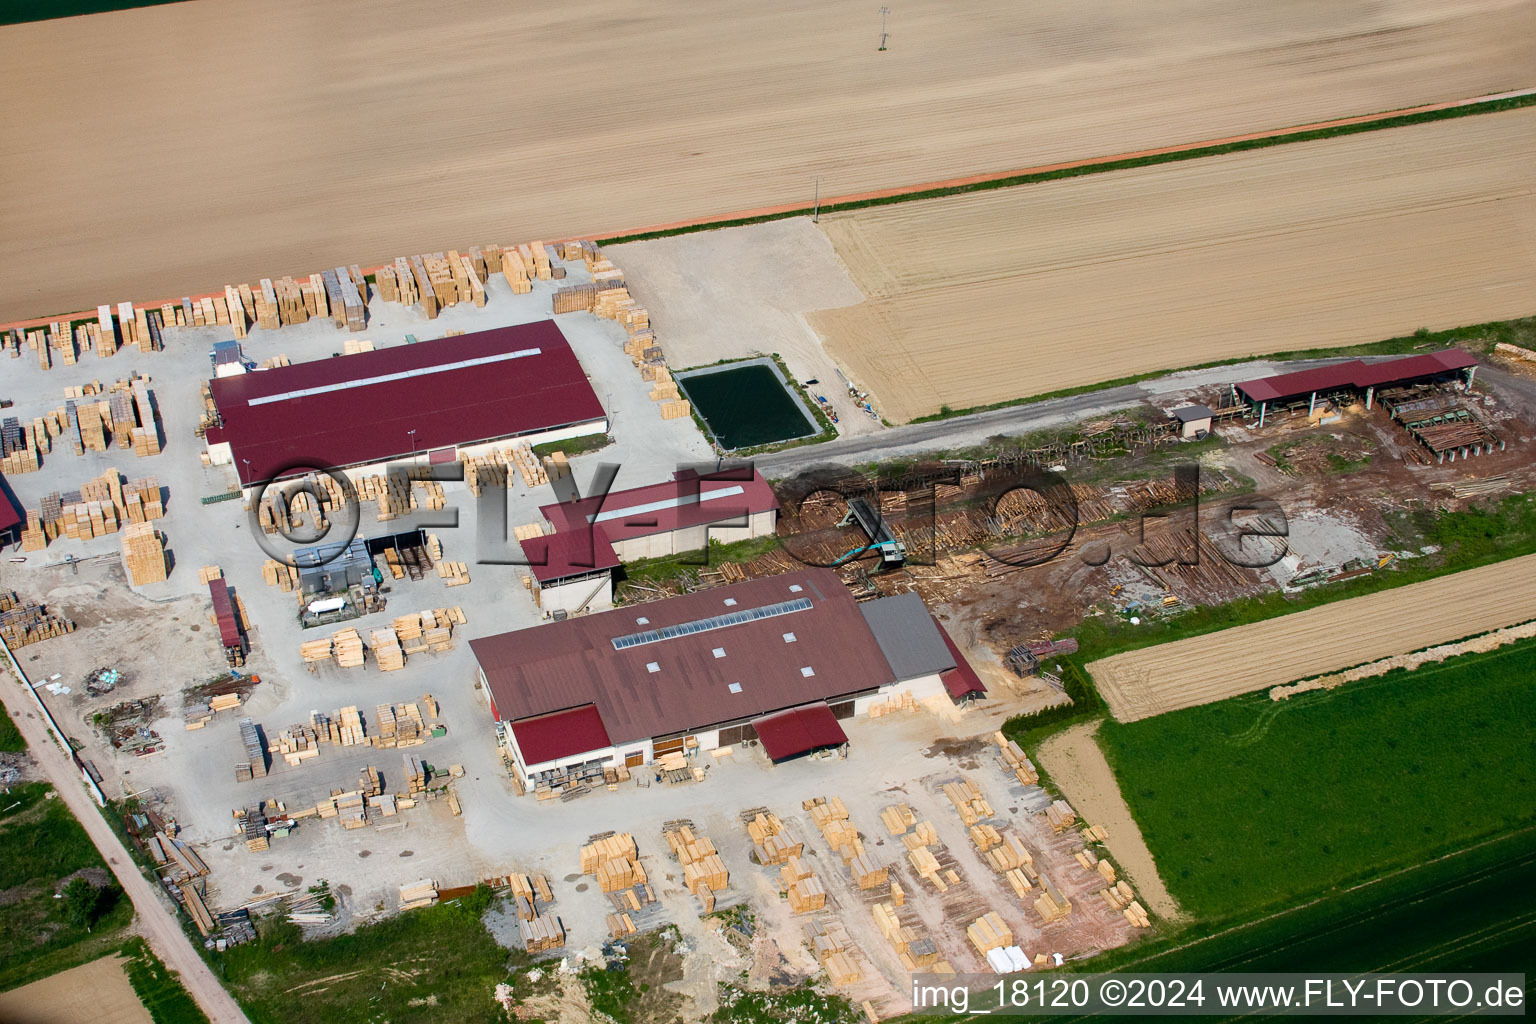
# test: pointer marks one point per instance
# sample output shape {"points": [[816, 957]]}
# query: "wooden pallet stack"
{"points": [[613, 862], [704, 873], [24, 624], [454, 574], [897, 819], [968, 801], [415, 773], [676, 410], [143, 554], [772, 843], [414, 895], [834, 950], [399, 725]]}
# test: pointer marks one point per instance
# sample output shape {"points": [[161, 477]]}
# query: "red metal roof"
{"points": [[372, 421], [791, 733], [562, 734], [11, 514], [559, 665], [224, 612], [1355, 374], [961, 680], [688, 499], [559, 555]]}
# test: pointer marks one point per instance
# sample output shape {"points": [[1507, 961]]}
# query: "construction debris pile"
{"points": [[23, 623], [704, 872]]}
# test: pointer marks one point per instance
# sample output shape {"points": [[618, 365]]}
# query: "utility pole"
{"points": [[883, 12], [816, 209]]}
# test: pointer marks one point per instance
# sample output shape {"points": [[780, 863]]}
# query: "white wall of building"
{"points": [[693, 538], [596, 594]]}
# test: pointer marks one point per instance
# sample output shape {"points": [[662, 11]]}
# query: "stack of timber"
{"points": [[454, 574], [968, 801], [254, 822], [1015, 761], [542, 933], [19, 446], [1061, 816], [23, 624], [915, 950], [400, 725], [771, 842], [143, 554], [386, 650], [1009, 854], [897, 819], [347, 646], [676, 409], [989, 932], [834, 950], [415, 773], [528, 892], [900, 702], [704, 873], [255, 764], [1051, 904], [831, 817], [614, 862], [800, 884], [422, 893]]}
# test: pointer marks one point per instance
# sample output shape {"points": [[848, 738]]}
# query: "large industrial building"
{"points": [[438, 400], [780, 661], [1352, 379], [682, 514]]}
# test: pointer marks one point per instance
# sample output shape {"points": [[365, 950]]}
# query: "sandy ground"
{"points": [[1202, 669], [98, 991], [745, 292], [982, 298], [234, 146], [1078, 768]]}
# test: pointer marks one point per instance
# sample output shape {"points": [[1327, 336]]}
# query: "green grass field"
{"points": [[41, 844], [1250, 804], [421, 967], [158, 989], [10, 737]]}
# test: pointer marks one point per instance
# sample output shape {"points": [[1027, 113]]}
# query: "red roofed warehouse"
{"points": [[439, 399], [682, 514], [1352, 377], [780, 660]]}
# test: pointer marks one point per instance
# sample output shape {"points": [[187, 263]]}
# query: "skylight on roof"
{"points": [[730, 601], [767, 611], [719, 652], [795, 588], [807, 671], [651, 666], [789, 638], [641, 620], [735, 687]]}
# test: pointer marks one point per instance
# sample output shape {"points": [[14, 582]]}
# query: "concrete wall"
{"points": [[693, 538], [569, 596]]}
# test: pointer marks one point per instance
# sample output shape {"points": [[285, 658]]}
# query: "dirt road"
{"points": [[1202, 669], [154, 921], [982, 298], [229, 142], [1078, 768]]}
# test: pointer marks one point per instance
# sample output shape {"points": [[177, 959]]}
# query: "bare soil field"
{"points": [[1203, 669], [1337, 242], [233, 145], [1077, 767], [98, 991]]}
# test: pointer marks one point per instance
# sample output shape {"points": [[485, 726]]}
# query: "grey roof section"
{"points": [[1192, 412], [907, 636]]}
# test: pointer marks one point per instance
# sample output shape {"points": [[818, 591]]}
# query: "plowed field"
{"points": [[1203, 669], [999, 295], [166, 151]]}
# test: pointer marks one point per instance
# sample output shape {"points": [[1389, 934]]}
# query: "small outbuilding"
{"points": [[1194, 420]]}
